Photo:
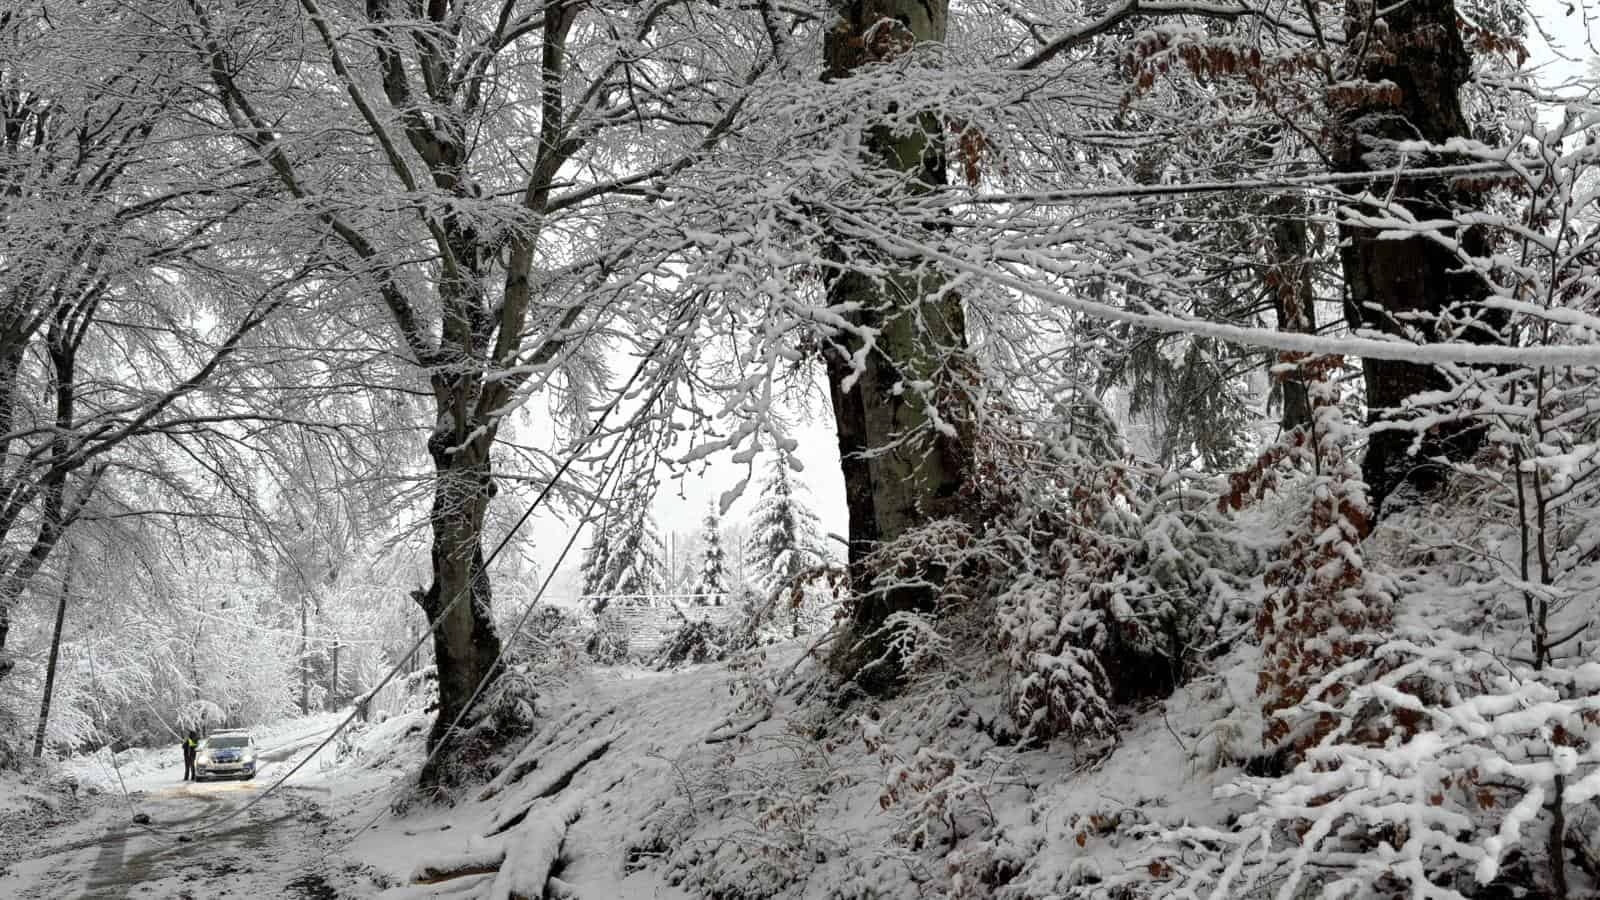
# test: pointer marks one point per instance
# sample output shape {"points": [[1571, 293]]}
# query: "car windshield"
{"points": [[232, 742]]}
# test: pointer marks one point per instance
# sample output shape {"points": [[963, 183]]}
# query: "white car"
{"points": [[226, 754]]}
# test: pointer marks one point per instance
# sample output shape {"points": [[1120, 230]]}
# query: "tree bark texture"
{"points": [[1293, 300], [899, 471], [1412, 286], [55, 655], [466, 646]]}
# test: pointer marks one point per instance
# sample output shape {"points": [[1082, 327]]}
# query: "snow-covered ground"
{"points": [[166, 837], [675, 785], [711, 780], [577, 797]]}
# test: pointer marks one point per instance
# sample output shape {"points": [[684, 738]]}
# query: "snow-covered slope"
{"points": [[715, 781]]}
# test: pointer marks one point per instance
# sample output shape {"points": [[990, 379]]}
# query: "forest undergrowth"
{"points": [[1156, 684]]}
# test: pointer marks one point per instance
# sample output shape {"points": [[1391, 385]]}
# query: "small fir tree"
{"points": [[627, 558], [711, 585], [785, 534]]}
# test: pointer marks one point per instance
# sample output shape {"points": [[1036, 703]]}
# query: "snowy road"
{"points": [[196, 845]]}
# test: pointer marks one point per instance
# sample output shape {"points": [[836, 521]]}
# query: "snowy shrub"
{"points": [[768, 797], [1324, 606], [805, 603], [1110, 578], [941, 802], [1444, 772], [608, 643], [551, 636], [12, 748], [1099, 579], [697, 641]]}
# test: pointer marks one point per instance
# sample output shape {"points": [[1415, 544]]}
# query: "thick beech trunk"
{"points": [[1410, 286], [466, 645], [899, 472]]}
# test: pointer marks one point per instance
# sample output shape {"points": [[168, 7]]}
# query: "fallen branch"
{"points": [[718, 736], [478, 858], [527, 758], [532, 851], [555, 780]]}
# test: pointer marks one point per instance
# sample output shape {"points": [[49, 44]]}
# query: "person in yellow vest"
{"points": [[191, 745]]}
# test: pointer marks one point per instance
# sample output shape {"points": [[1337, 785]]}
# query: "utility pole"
{"points": [[411, 667], [55, 652], [333, 689], [305, 670]]}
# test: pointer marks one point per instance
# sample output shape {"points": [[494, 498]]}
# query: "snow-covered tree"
{"points": [[785, 534], [785, 540], [626, 560], [712, 582]]}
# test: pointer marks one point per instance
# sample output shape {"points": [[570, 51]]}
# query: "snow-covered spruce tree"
{"points": [[592, 571], [785, 542], [711, 585], [639, 563], [1093, 577], [1110, 576], [626, 561]]}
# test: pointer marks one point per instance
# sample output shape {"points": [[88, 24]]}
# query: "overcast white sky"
{"points": [[1573, 29]]}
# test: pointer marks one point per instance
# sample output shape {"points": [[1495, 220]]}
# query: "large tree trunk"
{"points": [[892, 484], [1409, 286], [466, 645]]}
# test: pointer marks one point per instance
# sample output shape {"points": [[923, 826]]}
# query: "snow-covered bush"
{"points": [[1324, 605], [551, 636], [608, 644], [1110, 578], [696, 641], [1444, 771]]}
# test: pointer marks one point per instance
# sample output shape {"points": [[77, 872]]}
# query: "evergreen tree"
{"points": [[592, 571], [626, 558], [785, 534], [711, 584]]}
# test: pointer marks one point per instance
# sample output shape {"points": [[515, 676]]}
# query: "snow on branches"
{"points": [[1323, 604], [1098, 578], [1439, 775]]}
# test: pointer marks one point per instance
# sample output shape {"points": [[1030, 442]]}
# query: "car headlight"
{"points": [[248, 758], [203, 757]]}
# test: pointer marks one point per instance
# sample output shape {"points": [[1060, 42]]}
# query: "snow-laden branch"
{"points": [[1012, 273], [1145, 9]]}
